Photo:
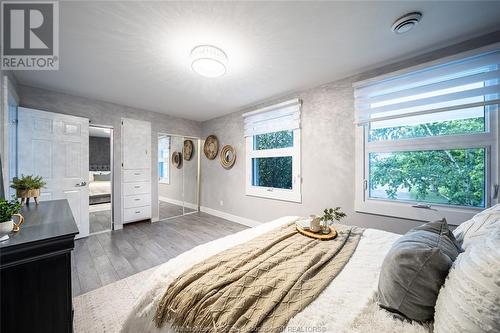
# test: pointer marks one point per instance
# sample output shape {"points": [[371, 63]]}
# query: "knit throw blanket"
{"points": [[257, 286]]}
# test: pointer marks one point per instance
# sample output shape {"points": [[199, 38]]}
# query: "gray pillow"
{"points": [[104, 177], [415, 269]]}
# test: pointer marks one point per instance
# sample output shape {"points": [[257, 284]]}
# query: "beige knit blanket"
{"points": [[257, 286]]}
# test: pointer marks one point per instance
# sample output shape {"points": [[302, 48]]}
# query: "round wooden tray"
{"points": [[318, 235]]}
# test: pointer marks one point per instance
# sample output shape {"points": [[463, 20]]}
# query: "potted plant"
{"points": [[8, 209], [331, 214], [28, 187]]}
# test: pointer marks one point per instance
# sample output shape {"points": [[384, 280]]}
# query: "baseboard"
{"points": [[230, 217], [179, 202]]}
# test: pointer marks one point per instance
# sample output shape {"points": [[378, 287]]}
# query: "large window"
{"points": [[273, 152], [427, 145]]}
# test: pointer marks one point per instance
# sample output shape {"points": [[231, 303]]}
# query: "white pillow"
{"points": [[469, 301], [481, 224], [91, 176]]}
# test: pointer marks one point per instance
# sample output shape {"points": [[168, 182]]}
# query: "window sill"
{"points": [[275, 194], [404, 210]]}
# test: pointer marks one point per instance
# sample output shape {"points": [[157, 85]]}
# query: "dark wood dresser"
{"points": [[35, 271]]}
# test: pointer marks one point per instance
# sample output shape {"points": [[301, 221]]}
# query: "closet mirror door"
{"points": [[170, 176], [190, 171]]}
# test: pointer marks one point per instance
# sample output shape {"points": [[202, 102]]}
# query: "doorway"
{"points": [[178, 175], [100, 179]]}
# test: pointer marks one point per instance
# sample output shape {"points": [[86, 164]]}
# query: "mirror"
{"points": [[227, 157]]}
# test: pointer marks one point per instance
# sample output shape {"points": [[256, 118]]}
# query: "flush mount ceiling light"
{"points": [[406, 22], [208, 61]]}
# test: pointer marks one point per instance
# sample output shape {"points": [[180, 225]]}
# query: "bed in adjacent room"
{"points": [[99, 185], [346, 303]]}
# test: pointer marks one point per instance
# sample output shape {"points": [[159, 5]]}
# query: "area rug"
{"points": [[105, 309]]}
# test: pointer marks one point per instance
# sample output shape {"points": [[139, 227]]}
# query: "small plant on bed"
{"points": [[28, 187], [330, 215]]}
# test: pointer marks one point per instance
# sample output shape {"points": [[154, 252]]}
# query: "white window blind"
{"points": [[460, 87], [280, 117]]}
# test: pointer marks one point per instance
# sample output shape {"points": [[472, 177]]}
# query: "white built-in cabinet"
{"points": [[136, 170]]}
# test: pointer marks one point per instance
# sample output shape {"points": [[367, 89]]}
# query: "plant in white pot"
{"points": [[9, 209]]}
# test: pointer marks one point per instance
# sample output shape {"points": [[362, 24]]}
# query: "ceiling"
{"points": [[137, 53]]}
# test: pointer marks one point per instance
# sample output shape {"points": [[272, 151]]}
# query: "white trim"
{"points": [[293, 195], [179, 202], [230, 217]]}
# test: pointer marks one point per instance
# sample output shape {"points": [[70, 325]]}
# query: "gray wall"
{"points": [[109, 114], [327, 153], [99, 151]]}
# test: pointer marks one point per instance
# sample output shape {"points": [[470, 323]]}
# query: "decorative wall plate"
{"points": [[211, 147], [177, 159], [227, 157], [188, 150]]}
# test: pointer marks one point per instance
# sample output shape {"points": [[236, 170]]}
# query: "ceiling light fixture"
{"points": [[208, 61], [406, 22]]}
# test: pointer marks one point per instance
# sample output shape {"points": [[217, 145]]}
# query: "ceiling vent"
{"points": [[406, 22]]}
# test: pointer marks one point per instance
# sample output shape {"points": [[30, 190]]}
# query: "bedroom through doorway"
{"points": [[100, 179]]}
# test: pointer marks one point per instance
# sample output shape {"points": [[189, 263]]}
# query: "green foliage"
{"points": [[28, 182], [331, 214], [8, 208], [273, 171], [455, 177]]}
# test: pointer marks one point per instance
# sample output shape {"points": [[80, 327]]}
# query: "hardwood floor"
{"points": [[107, 257]]}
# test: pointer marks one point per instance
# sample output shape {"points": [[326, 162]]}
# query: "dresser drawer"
{"points": [[136, 188], [136, 200], [136, 214], [138, 175]]}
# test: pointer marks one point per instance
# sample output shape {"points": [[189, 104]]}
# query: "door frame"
{"points": [[111, 167], [198, 182]]}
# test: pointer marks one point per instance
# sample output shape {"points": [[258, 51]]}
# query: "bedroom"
{"points": [[239, 117]]}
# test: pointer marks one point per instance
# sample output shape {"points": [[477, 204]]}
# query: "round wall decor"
{"points": [[188, 150], [227, 157], [211, 147], [177, 159]]}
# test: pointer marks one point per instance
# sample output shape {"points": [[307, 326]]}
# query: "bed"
{"points": [[346, 305], [99, 185]]}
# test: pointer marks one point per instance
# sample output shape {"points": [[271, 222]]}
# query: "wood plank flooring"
{"points": [[107, 257]]}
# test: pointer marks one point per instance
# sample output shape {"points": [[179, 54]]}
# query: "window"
{"points": [[164, 159], [427, 144], [273, 152]]}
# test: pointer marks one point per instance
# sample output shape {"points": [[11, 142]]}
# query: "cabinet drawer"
{"points": [[136, 200], [136, 214], [138, 175], [136, 188]]}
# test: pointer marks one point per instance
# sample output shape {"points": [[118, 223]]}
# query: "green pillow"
{"points": [[414, 270]]}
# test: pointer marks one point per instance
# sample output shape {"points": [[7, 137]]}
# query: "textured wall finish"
{"points": [[328, 153], [109, 114], [99, 151]]}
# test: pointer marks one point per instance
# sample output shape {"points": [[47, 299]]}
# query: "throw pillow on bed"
{"points": [[469, 301], [480, 225], [103, 177], [414, 270]]}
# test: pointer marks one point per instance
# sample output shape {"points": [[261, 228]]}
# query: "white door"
{"points": [[136, 142], [56, 147]]}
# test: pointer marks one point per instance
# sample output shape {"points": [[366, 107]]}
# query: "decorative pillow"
{"points": [[103, 177], [481, 224], [414, 270], [469, 301]]}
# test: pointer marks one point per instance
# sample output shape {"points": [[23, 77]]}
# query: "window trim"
{"points": [[489, 140], [293, 195]]}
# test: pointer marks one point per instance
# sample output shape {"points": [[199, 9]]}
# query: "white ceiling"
{"points": [[137, 54]]}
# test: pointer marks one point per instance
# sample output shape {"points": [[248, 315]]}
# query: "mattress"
{"points": [[98, 188], [346, 305]]}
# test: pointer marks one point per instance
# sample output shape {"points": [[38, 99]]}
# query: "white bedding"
{"points": [[99, 188], [336, 309]]}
